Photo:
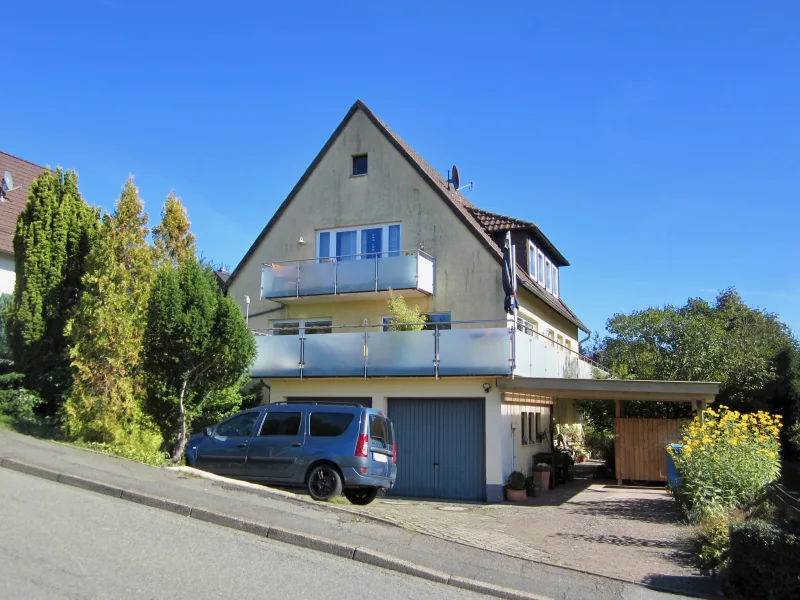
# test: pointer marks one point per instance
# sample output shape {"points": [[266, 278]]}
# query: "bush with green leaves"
{"points": [[763, 561], [726, 461], [516, 481], [19, 407]]}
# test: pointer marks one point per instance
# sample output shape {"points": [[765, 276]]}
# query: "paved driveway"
{"points": [[634, 534]]}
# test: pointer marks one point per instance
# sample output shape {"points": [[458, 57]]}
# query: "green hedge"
{"points": [[764, 561]]}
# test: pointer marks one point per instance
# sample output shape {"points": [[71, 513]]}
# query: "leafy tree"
{"points": [[404, 317], [52, 240], [750, 352], [106, 330], [197, 348], [174, 243]]}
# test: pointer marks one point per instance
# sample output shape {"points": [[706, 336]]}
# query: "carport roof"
{"points": [[614, 389]]}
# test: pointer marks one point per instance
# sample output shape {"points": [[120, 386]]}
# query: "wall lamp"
{"points": [[487, 387]]}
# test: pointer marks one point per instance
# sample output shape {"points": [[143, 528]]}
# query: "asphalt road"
{"points": [[61, 542]]}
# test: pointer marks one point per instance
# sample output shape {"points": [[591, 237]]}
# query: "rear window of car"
{"points": [[281, 423], [380, 429], [329, 424]]}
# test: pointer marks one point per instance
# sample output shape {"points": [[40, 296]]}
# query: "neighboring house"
{"points": [[370, 215], [23, 173]]}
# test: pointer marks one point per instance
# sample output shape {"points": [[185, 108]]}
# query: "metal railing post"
{"points": [[366, 346], [376, 272], [436, 351], [302, 354], [335, 276], [416, 274], [513, 359], [297, 282]]}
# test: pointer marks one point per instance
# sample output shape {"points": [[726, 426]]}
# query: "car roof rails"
{"points": [[321, 402]]}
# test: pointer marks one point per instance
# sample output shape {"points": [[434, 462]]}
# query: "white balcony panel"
{"points": [[397, 272], [316, 278], [401, 354], [474, 352], [426, 272], [355, 276], [279, 281], [334, 355], [277, 356]]}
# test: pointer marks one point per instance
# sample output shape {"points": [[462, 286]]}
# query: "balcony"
{"points": [[371, 274], [474, 348]]}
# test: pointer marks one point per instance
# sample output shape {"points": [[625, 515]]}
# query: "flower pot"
{"points": [[544, 479], [516, 495]]}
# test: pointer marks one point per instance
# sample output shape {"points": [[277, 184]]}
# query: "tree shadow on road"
{"points": [[659, 511]]}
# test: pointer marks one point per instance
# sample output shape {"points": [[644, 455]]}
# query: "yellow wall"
{"points": [[532, 308]]}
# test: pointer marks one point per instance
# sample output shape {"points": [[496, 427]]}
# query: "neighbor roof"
{"points": [[24, 173], [462, 207]]}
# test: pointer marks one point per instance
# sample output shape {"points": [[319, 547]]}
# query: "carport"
{"points": [[639, 443]]}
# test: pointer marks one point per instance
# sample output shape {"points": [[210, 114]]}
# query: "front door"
{"points": [[225, 452], [277, 449]]}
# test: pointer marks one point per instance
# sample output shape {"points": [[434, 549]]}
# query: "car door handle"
{"points": [[242, 445], [296, 445]]}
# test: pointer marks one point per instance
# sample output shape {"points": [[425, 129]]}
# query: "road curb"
{"points": [[378, 559], [311, 541], [223, 520], [91, 485], [21, 467], [492, 590], [178, 508]]}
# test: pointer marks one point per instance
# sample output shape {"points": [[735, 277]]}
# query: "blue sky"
{"points": [[657, 147]]}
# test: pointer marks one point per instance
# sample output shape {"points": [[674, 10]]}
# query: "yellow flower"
{"points": [[734, 441]]}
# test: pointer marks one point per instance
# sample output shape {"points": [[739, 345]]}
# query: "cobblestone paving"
{"points": [[631, 533]]}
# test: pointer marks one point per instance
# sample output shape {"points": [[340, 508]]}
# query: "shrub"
{"points": [[713, 533], [726, 460], [764, 561], [516, 481], [531, 485], [599, 442], [20, 405]]}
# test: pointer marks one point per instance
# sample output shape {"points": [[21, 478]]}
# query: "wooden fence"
{"points": [[640, 447]]}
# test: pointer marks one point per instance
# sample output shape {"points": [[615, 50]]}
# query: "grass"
{"points": [[339, 500]]}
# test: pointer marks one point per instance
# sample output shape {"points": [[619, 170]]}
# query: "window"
{"points": [[540, 267], [359, 165], [380, 430], [548, 280], [551, 334], [321, 424], [524, 428], [529, 327], [536, 426], [568, 344], [281, 423], [560, 339], [358, 243], [533, 252], [432, 322], [555, 281], [238, 426], [305, 326]]}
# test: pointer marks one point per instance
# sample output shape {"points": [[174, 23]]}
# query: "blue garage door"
{"points": [[441, 447]]}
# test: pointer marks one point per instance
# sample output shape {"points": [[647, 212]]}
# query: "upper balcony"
{"points": [[370, 275], [466, 348]]}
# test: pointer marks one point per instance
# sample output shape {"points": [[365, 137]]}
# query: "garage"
{"points": [[441, 447]]}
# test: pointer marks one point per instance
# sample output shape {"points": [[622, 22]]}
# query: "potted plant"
{"points": [[532, 486], [542, 473], [515, 487]]}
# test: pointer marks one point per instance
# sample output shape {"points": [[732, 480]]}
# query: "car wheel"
{"points": [[324, 482], [361, 496]]}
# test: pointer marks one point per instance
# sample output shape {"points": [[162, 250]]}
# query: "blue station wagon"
{"points": [[330, 449]]}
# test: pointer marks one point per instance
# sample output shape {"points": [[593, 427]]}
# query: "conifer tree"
{"points": [[107, 327], [53, 236], [173, 241]]}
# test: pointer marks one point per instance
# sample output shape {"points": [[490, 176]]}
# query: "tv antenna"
{"points": [[454, 180], [6, 185]]}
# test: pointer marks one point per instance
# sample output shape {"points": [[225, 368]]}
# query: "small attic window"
{"points": [[359, 165]]}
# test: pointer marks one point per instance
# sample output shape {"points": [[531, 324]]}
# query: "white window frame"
{"points": [[540, 275], [548, 267], [358, 229], [301, 323], [554, 278], [533, 250]]}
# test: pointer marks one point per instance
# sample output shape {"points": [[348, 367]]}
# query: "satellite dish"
{"points": [[455, 176], [8, 181]]}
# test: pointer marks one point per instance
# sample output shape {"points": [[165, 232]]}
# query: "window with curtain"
{"points": [[359, 243]]}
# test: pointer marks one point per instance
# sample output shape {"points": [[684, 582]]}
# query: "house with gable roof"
{"points": [[369, 218]]}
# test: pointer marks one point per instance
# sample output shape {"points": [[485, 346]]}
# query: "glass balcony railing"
{"points": [[374, 272], [465, 348]]}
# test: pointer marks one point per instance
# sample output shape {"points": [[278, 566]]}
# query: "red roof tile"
{"points": [[24, 173]]}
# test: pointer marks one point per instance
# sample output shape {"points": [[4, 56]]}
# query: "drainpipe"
{"points": [[513, 445], [246, 310]]}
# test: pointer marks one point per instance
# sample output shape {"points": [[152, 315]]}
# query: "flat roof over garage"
{"points": [[614, 389]]}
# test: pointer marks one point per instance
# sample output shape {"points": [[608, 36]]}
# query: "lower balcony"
{"points": [[463, 349], [371, 274]]}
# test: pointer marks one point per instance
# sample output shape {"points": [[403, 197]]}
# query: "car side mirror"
{"points": [[208, 431]]}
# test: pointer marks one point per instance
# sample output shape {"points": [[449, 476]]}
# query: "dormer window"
{"points": [[542, 270], [359, 165]]}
